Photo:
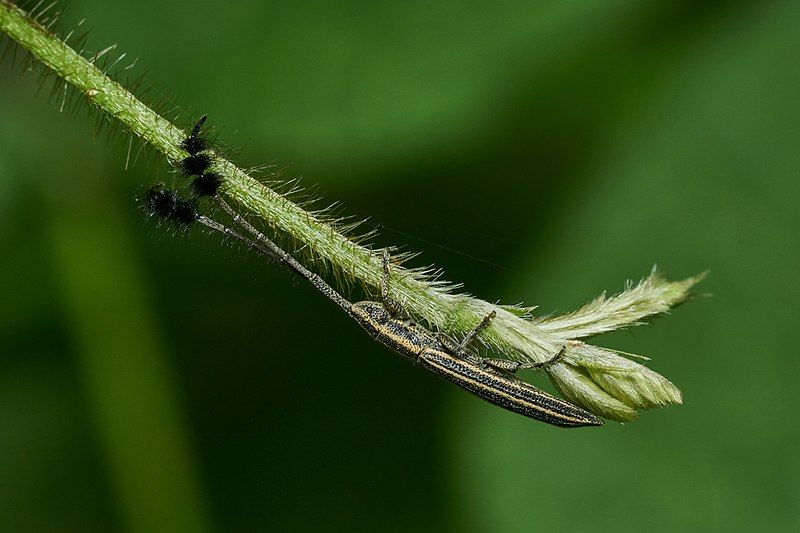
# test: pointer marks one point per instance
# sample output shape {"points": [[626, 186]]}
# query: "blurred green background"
{"points": [[149, 382]]}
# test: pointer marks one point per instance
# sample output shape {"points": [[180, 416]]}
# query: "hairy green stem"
{"points": [[438, 307], [581, 375]]}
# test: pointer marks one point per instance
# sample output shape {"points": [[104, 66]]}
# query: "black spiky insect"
{"points": [[206, 182], [194, 143], [165, 204]]}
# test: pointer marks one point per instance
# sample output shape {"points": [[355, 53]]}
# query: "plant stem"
{"points": [[580, 375], [434, 304]]}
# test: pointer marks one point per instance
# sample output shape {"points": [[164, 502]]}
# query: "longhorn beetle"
{"points": [[490, 379]]}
